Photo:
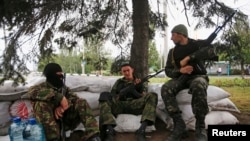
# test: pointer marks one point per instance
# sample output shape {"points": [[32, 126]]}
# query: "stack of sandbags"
{"points": [[96, 85], [220, 107], [9, 92], [90, 87]]}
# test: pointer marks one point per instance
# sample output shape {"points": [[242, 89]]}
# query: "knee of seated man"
{"points": [[152, 95], [198, 85]]}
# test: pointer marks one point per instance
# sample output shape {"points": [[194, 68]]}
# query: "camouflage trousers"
{"points": [[79, 112], [145, 106], [197, 88]]}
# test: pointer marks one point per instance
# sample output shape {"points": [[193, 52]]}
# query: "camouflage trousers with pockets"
{"points": [[145, 106], [197, 88], [78, 112]]}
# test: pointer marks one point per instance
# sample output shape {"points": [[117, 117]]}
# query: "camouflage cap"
{"points": [[181, 29]]}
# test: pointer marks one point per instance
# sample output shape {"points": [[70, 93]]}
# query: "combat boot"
{"points": [[109, 135], [200, 131], [140, 135], [95, 139], [179, 131]]}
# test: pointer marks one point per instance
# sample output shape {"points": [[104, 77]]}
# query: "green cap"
{"points": [[126, 63], [180, 29]]}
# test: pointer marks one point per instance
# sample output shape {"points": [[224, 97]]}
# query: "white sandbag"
{"points": [[163, 115], [4, 112], [187, 114], [156, 88], [214, 93], [223, 105], [189, 117], [91, 97], [100, 85], [4, 129], [94, 84], [12, 96], [21, 108], [79, 88], [34, 80], [4, 138], [74, 81], [216, 118], [9, 87], [130, 123], [220, 118]]}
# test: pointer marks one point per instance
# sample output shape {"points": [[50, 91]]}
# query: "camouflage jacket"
{"points": [[45, 92], [123, 83], [198, 52]]}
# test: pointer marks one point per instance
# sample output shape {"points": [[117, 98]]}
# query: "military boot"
{"points": [[179, 131], [97, 138], [200, 131], [109, 135], [140, 135]]}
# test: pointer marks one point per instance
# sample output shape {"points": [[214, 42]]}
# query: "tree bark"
{"points": [[139, 48]]}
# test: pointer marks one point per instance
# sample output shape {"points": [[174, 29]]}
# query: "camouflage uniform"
{"points": [[145, 105], [197, 82], [45, 98]]}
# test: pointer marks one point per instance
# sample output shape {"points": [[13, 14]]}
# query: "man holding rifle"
{"points": [[128, 96], [186, 68], [53, 109]]}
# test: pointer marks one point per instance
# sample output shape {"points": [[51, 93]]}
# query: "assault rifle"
{"points": [[64, 93], [131, 88], [208, 41]]}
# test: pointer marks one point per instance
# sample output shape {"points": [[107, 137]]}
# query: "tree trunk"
{"points": [[139, 48]]}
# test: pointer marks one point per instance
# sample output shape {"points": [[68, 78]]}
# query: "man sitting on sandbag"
{"points": [[185, 65], [57, 108], [127, 96]]}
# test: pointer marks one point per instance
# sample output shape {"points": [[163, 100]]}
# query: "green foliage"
{"points": [[70, 61], [240, 97], [217, 81], [236, 45], [66, 22], [231, 82], [153, 57], [95, 55]]}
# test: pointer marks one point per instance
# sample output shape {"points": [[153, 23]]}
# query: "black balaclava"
{"points": [[50, 71]]}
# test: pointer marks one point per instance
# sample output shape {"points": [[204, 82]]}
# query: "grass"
{"points": [[240, 95]]}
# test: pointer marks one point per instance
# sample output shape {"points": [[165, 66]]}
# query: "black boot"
{"points": [[200, 131], [179, 131], [97, 138], [140, 133], [110, 133]]}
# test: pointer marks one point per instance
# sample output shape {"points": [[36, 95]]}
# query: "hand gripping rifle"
{"points": [[208, 41], [64, 93], [131, 88]]}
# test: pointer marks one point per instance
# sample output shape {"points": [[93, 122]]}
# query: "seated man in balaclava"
{"points": [[53, 109]]}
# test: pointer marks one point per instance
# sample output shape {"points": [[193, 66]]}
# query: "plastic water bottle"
{"points": [[16, 130], [33, 131]]}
